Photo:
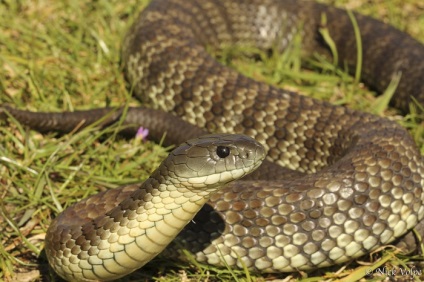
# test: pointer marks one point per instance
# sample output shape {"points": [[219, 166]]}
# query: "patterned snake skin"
{"points": [[365, 176], [360, 178]]}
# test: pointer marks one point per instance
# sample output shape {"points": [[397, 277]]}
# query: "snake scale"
{"points": [[359, 180]]}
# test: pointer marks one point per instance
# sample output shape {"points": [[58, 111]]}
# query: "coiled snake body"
{"points": [[360, 180]]}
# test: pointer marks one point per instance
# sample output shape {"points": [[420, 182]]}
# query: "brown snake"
{"points": [[360, 178]]}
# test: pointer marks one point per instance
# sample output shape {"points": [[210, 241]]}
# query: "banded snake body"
{"points": [[360, 177]]}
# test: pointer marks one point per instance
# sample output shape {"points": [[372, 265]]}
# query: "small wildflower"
{"points": [[142, 133]]}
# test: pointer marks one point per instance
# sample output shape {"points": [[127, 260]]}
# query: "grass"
{"points": [[64, 55]]}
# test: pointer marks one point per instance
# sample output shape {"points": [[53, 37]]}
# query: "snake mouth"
{"points": [[213, 181]]}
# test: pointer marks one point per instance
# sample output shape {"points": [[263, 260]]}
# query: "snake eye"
{"points": [[222, 151]]}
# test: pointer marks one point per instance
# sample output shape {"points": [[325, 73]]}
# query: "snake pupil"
{"points": [[222, 151]]}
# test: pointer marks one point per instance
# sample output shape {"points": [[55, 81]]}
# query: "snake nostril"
{"points": [[223, 151]]}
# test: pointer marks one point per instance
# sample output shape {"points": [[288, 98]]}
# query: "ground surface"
{"points": [[64, 55]]}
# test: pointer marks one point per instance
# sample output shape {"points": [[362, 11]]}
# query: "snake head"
{"points": [[212, 160]]}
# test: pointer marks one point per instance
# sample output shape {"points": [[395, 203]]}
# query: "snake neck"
{"points": [[128, 236], [160, 196]]}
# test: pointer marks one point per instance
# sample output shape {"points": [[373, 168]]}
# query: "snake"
{"points": [[336, 183], [148, 219]]}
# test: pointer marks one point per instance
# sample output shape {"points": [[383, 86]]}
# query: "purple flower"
{"points": [[142, 133]]}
